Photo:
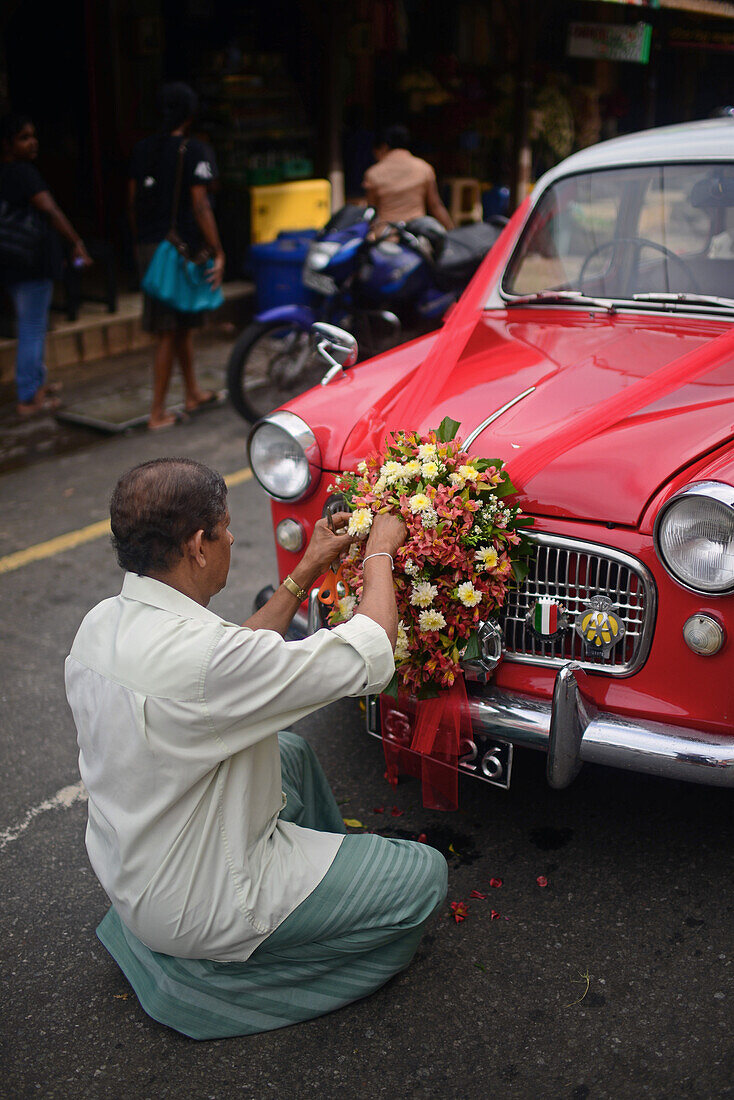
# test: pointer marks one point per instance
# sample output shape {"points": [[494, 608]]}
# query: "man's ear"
{"points": [[195, 548]]}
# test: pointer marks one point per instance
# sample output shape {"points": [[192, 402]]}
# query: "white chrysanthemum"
{"points": [[410, 568], [419, 503], [427, 450], [380, 485], [360, 523], [402, 649], [468, 472], [412, 468], [392, 472], [431, 620], [431, 469], [362, 467], [346, 606], [487, 557], [429, 518], [468, 594], [423, 594], [354, 551], [457, 480]]}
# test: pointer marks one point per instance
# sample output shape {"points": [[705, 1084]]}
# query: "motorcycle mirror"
{"points": [[369, 213], [336, 346]]}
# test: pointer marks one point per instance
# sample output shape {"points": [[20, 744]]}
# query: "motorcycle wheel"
{"points": [[271, 363]]}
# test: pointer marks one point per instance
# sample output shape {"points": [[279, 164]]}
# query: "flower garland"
{"points": [[465, 546]]}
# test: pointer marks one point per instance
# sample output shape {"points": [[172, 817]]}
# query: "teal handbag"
{"points": [[172, 276], [180, 283]]}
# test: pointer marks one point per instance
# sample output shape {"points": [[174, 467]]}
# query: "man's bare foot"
{"points": [[157, 423]]}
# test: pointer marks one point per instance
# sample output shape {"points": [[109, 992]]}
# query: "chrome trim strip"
{"points": [[495, 416], [581, 733], [620, 558]]}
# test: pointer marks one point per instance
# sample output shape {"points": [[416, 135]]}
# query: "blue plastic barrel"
{"points": [[276, 266]]}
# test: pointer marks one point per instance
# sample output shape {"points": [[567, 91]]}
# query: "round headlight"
{"points": [[694, 536], [284, 456]]}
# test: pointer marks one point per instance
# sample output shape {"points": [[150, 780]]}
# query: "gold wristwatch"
{"points": [[294, 589]]}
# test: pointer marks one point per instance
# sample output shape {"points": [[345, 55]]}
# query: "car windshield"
{"points": [[654, 234]]}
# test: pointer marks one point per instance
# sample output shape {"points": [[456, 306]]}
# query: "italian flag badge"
{"points": [[546, 618]]}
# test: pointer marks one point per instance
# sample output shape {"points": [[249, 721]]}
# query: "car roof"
{"points": [[710, 139]]}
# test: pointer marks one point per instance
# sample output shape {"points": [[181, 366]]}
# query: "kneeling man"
{"points": [[212, 830]]}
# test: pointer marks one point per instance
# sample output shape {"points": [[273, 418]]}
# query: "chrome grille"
{"points": [[570, 571]]}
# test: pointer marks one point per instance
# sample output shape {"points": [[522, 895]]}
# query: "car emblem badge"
{"points": [[600, 625], [547, 618]]}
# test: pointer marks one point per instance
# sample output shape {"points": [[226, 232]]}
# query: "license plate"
{"points": [[483, 757]]}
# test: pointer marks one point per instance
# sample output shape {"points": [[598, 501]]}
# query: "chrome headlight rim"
{"points": [[717, 491], [301, 434]]}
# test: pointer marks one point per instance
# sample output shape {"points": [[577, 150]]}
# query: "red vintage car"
{"points": [[594, 352]]}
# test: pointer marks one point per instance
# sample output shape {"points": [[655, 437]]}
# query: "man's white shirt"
{"points": [[177, 713]]}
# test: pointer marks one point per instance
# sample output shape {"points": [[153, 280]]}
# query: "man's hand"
{"points": [[387, 534], [325, 545]]}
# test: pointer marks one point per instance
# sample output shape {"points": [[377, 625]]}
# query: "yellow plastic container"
{"points": [[301, 204]]}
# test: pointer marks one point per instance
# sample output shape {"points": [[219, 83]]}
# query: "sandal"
{"points": [[37, 408], [169, 421], [209, 397]]}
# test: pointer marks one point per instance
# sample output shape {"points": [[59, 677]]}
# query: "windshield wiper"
{"points": [[686, 299], [572, 297]]}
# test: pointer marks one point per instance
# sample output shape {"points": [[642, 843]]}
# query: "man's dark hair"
{"points": [[395, 137], [158, 505], [179, 103], [11, 125]]}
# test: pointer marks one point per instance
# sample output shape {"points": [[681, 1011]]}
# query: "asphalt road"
{"points": [[614, 980]]}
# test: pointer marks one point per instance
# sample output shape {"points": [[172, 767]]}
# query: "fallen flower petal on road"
{"points": [[495, 882], [459, 910], [352, 823], [494, 915], [396, 812], [542, 880], [422, 838], [476, 894]]}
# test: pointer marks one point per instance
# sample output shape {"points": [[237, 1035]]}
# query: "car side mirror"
{"points": [[336, 346]]}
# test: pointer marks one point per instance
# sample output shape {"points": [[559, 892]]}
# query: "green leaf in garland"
{"points": [[447, 430], [520, 570], [505, 488], [472, 650], [392, 687]]}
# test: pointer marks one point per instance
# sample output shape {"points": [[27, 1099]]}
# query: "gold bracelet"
{"points": [[294, 588]]}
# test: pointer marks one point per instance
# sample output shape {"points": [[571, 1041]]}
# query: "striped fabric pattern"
{"points": [[359, 927]]}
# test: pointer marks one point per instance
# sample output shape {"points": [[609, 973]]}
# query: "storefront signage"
{"points": [[613, 42]]}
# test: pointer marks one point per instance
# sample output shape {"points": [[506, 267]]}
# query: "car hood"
{"points": [[581, 448]]}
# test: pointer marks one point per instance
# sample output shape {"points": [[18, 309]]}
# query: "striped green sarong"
{"points": [[359, 927]]}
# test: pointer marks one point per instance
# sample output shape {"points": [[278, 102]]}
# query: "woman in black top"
{"points": [[151, 185], [22, 186]]}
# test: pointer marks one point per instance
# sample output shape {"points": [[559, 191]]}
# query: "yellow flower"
{"points": [[427, 450], [430, 470], [412, 468], [457, 480], [402, 648], [468, 472], [360, 523], [487, 557], [419, 503], [468, 594]]}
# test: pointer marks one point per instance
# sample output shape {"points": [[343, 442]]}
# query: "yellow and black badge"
{"points": [[600, 625]]}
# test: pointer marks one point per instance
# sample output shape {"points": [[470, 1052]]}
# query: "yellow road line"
{"points": [[72, 539]]}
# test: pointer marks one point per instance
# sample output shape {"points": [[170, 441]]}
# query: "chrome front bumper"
{"points": [[572, 731]]}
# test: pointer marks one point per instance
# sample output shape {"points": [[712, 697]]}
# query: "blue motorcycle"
{"points": [[384, 288]]}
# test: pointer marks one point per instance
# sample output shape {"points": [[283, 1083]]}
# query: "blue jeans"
{"points": [[31, 299]]}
